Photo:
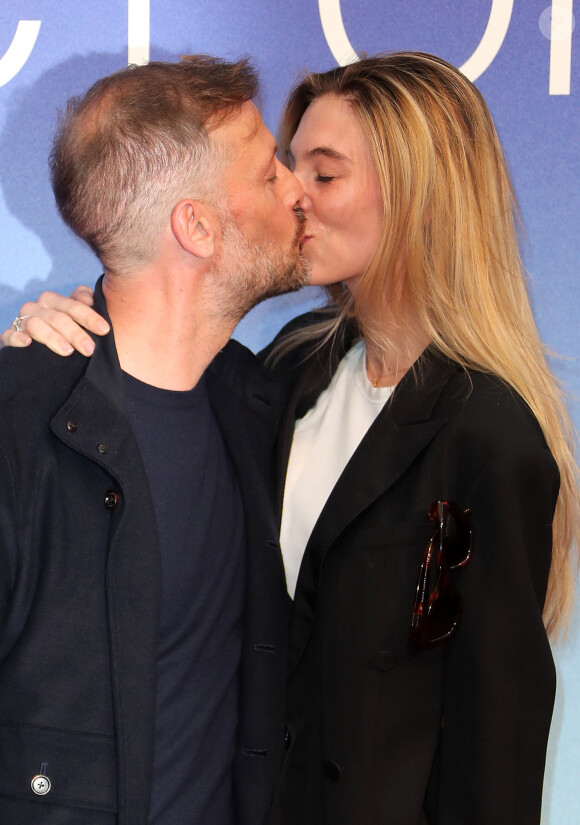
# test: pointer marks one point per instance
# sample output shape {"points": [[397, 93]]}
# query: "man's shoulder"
{"points": [[35, 374], [236, 375], [236, 364]]}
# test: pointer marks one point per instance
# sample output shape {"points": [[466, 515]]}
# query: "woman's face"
{"points": [[342, 203]]}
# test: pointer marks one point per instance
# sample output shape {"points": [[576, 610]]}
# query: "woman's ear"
{"points": [[195, 225]]}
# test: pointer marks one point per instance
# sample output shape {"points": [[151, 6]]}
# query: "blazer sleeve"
{"points": [[499, 676]]}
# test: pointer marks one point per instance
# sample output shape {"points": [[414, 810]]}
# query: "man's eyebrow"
{"points": [[271, 158]]}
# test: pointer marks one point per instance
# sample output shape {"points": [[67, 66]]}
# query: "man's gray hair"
{"points": [[138, 142]]}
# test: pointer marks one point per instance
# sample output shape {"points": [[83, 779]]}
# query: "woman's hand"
{"points": [[57, 322]]}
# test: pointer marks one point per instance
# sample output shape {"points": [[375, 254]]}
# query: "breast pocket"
{"points": [[408, 533], [368, 587], [56, 777]]}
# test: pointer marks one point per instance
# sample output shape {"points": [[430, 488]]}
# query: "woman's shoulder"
{"points": [[490, 412]]}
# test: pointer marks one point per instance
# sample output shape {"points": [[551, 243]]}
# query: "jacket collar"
{"points": [[234, 373], [104, 370], [235, 367]]}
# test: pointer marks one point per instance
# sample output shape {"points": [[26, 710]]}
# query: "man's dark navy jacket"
{"points": [[80, 587]]}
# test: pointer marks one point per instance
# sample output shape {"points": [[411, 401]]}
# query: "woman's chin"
{"points": [[321, 282], [322, 277]]}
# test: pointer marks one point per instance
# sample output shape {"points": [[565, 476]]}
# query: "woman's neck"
{"points": [[387, 366]]}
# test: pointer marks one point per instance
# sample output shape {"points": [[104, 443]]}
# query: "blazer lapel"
{"points": [[400, 433]]}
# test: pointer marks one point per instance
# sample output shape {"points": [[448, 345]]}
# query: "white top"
{"points": [[324, 441]]}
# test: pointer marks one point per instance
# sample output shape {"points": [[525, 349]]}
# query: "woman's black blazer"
{"points": [[380, 731]]}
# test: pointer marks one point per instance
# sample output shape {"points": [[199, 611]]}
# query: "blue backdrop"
{"points": [[521, 55]]}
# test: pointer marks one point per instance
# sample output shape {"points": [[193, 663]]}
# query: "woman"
{"points": [[430, 503]]}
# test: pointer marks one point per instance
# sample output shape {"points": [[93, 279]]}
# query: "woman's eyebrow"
{"points": [[324, 151], [327, 152]]}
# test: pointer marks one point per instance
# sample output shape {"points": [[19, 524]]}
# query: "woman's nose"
{"points": [[305, 202]]}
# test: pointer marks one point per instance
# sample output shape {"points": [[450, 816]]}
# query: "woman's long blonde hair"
{"points": [[451, 225]]}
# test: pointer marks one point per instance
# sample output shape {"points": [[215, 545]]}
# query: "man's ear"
{"points": [[195, 225]]}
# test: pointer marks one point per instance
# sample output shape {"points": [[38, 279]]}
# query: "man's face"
{"points": [[261, 221]]}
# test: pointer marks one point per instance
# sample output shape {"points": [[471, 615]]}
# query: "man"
{"points": [[142, 594]]}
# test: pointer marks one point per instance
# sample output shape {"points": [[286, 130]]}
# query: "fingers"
{"points": [[57, 322], [84, 294], [77, 307], [12, 338]]}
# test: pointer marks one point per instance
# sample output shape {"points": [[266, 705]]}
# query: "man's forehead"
{"points": [[251, 122], [245, 128]]}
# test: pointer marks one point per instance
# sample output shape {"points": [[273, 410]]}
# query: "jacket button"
{"points": [[112, 498], [40, 784], [332, 770], [102, 448], [71, 426], [383, 660]]}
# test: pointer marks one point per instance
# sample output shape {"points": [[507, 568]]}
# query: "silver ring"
{"points": [[17, 322]]}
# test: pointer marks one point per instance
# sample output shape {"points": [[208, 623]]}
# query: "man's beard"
{"points": [[249, 271]]}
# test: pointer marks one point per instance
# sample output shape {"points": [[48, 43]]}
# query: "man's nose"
{"points": [[305, 202], [294, 191]]}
